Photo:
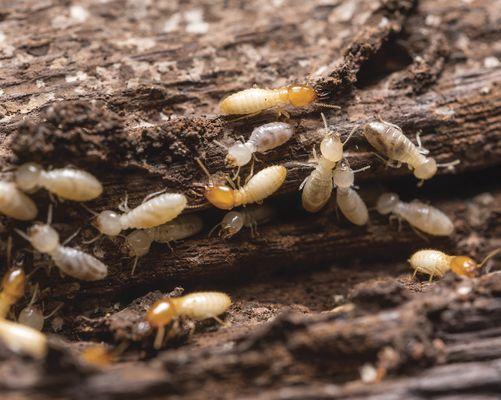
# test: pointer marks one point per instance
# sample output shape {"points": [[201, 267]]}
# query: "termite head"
{"points": [[301, 95], [27, 176], [108, 223], [426, 169], [14, 283], [220, 196], [31, 316], [464, 266], [239, 154], [161, 313], [331, 146], [43, 238], [137, 243], [386, 203], [231, 224], [343, 176]]}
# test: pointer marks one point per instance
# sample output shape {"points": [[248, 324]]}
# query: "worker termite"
{"points": [[23, 339], [249, 217], [422, 216], [153, 212], [262, 139], [260, 186], [16, 204], [348, 200], [72, 262], [13, 286], [389, 139], [138, 242], [198, 306], [436, 263], [66, 183], [32, 316], [256, 100]]}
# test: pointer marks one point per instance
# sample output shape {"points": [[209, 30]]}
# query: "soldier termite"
{"points": [[249, 217], [389, 140], [138, 242], [153, 212], [422, 216], [436, 263], [262, 139], [348, 200], [256, 100], [72, 262], [198, 306], [66, 183], [259, 187], [13, 286], [16, 204], [23, 339]]}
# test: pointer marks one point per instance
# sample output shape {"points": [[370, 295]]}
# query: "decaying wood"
{"points": [[129, 91]]}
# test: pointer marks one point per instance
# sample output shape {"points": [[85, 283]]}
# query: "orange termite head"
{"points": [[97, 355], [220, 196], [14, 282], [301, 95], [161, 313], [464, 266]]}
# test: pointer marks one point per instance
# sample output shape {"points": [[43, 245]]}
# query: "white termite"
{"points": [[348, 200], [22, 339], [248, 217], [67, 183], [389, 140], [422, 216], [72, 262], [151, 213], [262, 139], [32, 315], [16, 204]]}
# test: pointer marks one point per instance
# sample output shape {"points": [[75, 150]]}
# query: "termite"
{"points": [[198, 306], [16, 204], [66, 183], [262, 139], [317, 187], [72, 262], [437, 263], [138, 242], [422, 216], [13, 286], [153, 212], [259, 187], [32, 316], [256, 100], [23, 339], [348, 200], [389, 140], [249, 217]]}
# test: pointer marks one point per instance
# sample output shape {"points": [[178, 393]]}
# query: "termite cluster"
{"points": [[159, 218]]}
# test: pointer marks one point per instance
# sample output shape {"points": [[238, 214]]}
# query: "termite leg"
{"points": [[134, 265], [251, 173], [389, 123], [303, 183], [170, 247], [159, 338], [421, 149], [71, 237], [124, 205], [150, 196], [414, 274], [220, 321], [431, 278], [245, 116], [420, 234], [281, 111]]}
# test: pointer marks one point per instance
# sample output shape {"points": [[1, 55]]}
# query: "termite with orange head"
{"points": [[13, 286], [437, 263], [259, 187], [389, 140], [198, 306], [256, 100]]}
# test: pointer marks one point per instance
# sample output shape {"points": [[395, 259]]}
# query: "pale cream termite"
{"points": [[154, 212], [22, 339], [437, 263], [16, 204], [389, 140], [66, 183], [422, 216], [248, 217], [32, 316], [262, 139], [138, 242], [72, 262], [256, 100], [348, 200], [198, 306], [12, 289], [259, 187]]}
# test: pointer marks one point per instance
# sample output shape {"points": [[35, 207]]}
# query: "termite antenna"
{"points": [[34, 296], [95, 214], [71, 237], [49, 215], [325, 120], [350, 135], [489, 256], [203, 167], [22, 234], [94, 239], [54, 311], [361, 169], [136, 260], [220, 144], [450, 164], [9, 250], [327, 105]]}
